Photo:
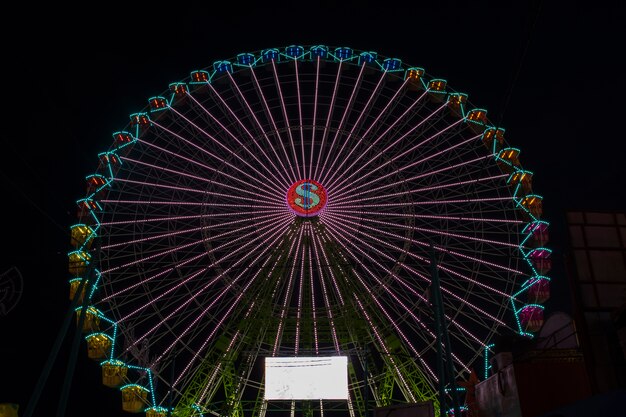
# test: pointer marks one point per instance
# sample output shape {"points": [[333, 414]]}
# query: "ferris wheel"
{"points": [[295, 202]]}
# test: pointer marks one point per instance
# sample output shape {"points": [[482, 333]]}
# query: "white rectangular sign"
{"points": [[306, 378]]}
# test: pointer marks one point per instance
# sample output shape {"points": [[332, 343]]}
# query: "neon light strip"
{"points": [[347, 109], [414, 292], [205, 151], [285, 181], [412, 192], [330, 112], [299, 313], [186, 203], [203, 179], [251, 112], [288, 219], [396, 171], [195, 229], [269, 113], [236, 138], [190, 190], [226, 314], [208, 168], [395, 297], [191, 277], [333, 179], [282, 103], [236, 155], [439, 248], [341, 235], [340, 186], [329, 311], [328, 267], [313, 308], [301, 123], [385, 349], [187, 245], [287, 298], [356, 123], [190, 217], [317, 79], [423, 203], [339, 216], [426, 216]]}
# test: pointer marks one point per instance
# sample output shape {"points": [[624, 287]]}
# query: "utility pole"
{"points": [[445, 371]]}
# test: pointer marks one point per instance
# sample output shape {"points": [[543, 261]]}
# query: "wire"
{"points": [[507, 98]]}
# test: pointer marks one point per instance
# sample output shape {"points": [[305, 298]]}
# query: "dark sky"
{"points": [[551, 75]]}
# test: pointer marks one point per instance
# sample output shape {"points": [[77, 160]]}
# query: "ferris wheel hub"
{"points": [[306, 198]]}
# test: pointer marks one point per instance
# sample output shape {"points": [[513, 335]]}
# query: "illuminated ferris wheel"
{"points": [[295, 203]]}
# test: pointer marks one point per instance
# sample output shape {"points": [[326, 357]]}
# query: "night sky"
{"points": [[551, 75]]}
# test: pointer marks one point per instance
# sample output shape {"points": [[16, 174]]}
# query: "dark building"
{"points": [[596, 266]]}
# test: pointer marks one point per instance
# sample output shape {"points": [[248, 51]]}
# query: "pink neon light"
{"points": [[259, 219], [429, 173], [317, 78], [282, 103], [412, 192], [384, 151], [239, 142], [190, 217], [348, 107], [259, 123], [329, 311], [236, 155], [330, 112], [336, 173], [267, 108], [285, 181], [203, 150]]}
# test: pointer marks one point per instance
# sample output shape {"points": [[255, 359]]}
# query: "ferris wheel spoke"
{"points": [[414, 192], [212, 155], [398, 170], [191, 244], [391, 160], [349, 225], [341, 231], [355, 219], [406, 309], [346, 180], [283, 180], [428, 216], [314, 121], [276, 230], [227, 313], [329, 310], [226, 148], [288, 292], [260, 219], [429, 343], [386, 351], [237, 140], [339, 130], [286, 117], [252, 113], [195, 177], [348, 139], [395, 325], [268, 112], [300, 121], [164, 219], [328, 118]]}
